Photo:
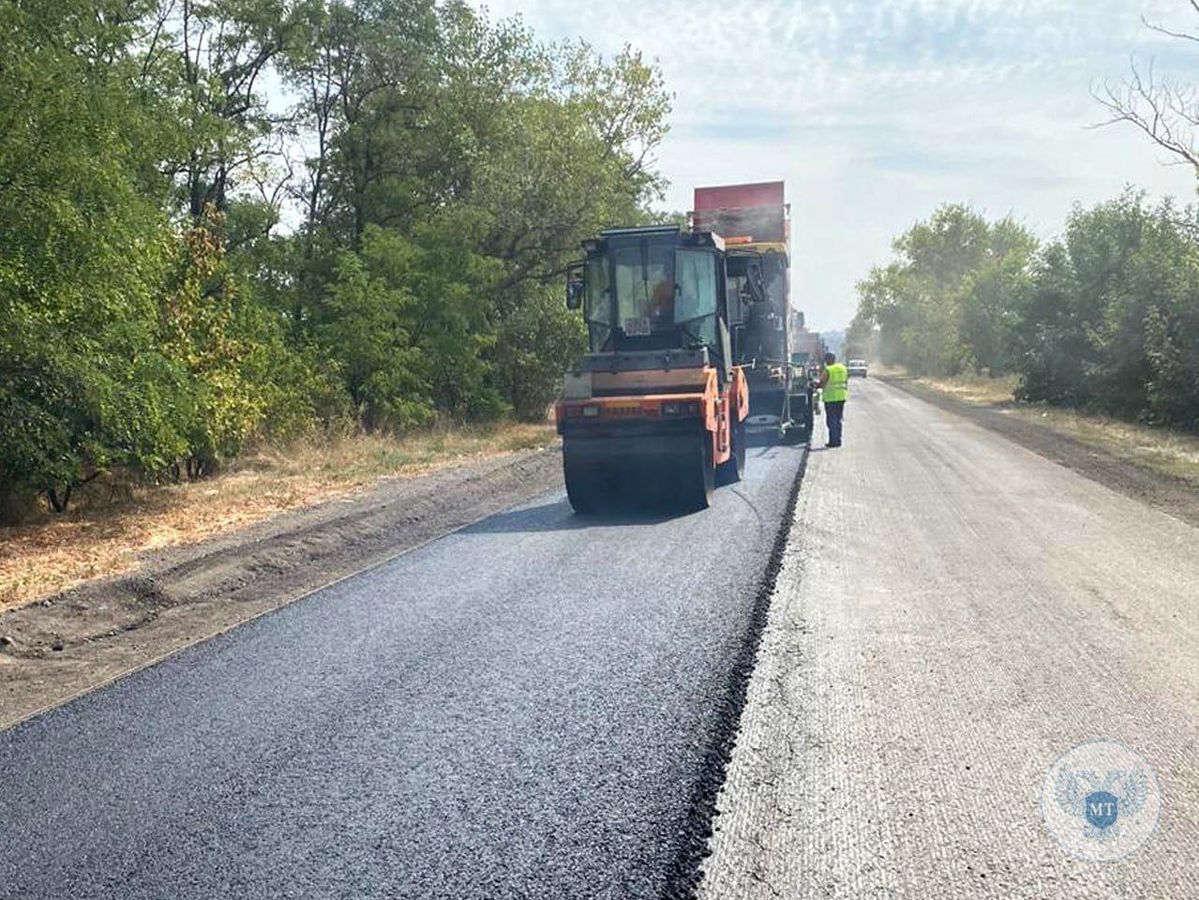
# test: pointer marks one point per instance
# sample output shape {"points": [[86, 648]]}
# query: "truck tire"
{"points": [[730, 471]]}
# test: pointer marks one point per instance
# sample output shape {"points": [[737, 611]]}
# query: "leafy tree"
{"points": [[1112, 322], [367, 328], [84, 385], [950, 301], [172, 286], [1106, 318], [492, 156], [205, 61]]}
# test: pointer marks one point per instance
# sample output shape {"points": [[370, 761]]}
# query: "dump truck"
{"points": [[654, 413], [753, 221], [807, 347]]}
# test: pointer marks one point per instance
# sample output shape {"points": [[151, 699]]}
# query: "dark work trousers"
{"points": [[835, 412]]}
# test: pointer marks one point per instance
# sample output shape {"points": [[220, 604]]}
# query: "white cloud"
{"points": [[875, 112]]}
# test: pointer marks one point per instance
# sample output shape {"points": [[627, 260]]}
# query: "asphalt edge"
{"points": [[276, 607], [685, 873]]}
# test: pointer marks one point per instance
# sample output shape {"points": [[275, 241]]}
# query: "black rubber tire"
{"points": [[585, 487], [730, 471]]}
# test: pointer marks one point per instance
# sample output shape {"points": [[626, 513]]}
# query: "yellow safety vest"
{"points": [[836, 389]]}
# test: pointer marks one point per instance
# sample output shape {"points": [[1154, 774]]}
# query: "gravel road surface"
{"points": [[953, 614], [524, 708]]}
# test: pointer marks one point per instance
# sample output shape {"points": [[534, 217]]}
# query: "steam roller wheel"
{"points": [[730, 471], [697, 475], [585, 486]]}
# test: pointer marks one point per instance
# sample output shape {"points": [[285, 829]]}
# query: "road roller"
{"points": [[653, 415]]}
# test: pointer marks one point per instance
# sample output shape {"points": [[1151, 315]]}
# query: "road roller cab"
{"points": [[654, 414]]}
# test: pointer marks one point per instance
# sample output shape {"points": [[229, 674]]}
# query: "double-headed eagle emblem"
{"points": [[1100, 802]]}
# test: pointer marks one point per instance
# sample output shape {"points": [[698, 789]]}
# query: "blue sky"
{"points": [[876, 112]]}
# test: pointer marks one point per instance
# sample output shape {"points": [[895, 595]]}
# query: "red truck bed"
{"points": [[743, 213]]}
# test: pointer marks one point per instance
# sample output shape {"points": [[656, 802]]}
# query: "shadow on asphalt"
{"points": [[628, 508], [560, 517], [761, 445], [759, 451], [762, 442]]}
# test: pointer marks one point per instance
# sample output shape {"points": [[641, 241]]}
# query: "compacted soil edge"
{"points": [[80, 639]]}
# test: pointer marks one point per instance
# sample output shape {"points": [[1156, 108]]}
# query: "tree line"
{"points": [[1103, 318], [231, 219]]}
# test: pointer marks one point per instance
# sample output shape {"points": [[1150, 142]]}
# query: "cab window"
{"points": [[695, 300]]}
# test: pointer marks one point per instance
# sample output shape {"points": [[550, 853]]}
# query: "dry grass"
{"points": [[1159, 449], [105, 536], [976, 389]]}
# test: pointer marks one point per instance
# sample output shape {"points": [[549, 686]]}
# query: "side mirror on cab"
{"points": [[575, 286]]}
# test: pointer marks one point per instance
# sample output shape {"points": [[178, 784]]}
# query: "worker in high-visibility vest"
{"points": [[834, 384]]}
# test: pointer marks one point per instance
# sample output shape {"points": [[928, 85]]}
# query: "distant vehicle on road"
{"points": [[857, 367]]}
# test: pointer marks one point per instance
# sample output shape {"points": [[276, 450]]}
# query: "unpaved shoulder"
{"points": [[84, 637]]}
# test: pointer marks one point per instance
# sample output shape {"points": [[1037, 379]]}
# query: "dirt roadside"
{"points": [[1174, 496], [85, 637]]}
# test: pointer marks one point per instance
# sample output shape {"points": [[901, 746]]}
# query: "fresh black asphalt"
{"points": [[520, 709]]}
